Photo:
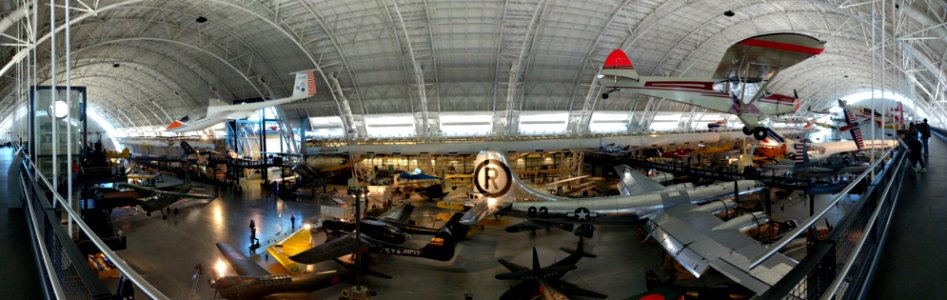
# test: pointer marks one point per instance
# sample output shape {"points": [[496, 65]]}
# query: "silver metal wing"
{"points": [[634, 183], [698, 240]]}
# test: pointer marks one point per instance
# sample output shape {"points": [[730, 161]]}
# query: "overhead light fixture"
{"points": [[60, 109], [201, 19], [729, 13]]}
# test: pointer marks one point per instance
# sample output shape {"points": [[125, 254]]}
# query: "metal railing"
{"points": [[839, 264], [66, 269]]}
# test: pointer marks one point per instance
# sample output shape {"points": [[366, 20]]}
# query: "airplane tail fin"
{"points": [[853, 127], [774, 136], [444, 243], [618, 64], [574, 255], [186, 148], [579, 251], [802, 152], [305, 85], [493, 178]]}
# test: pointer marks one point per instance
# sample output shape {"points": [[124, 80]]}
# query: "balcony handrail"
{"points": [[44, 253], [839, 278], [119, 263], [787, 239]]}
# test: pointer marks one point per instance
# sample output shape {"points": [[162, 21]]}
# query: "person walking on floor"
{"points": [[914, 148], [924, 130]]}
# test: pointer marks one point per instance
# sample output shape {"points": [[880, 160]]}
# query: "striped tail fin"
{"points": [[854, 128], [775, 136], [802, 152], [305, 85]]}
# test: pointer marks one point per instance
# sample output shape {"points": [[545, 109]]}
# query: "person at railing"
{"points": [[925, 132], [914, 148]]}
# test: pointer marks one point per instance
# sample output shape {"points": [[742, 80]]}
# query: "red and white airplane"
{"points": [[219, 111], [737, 87]]}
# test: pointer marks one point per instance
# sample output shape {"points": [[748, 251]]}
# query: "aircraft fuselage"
{"points": [[712, 94]]}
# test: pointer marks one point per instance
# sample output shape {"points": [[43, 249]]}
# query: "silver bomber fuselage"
{"points": [[617, 209]]}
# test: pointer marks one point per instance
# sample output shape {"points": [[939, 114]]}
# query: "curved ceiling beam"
{"points": [[152, 94], [140, 69], [417, 75], [99, 88], [128, 122], [197, 70], [342, 55], [279, 79], [190, 46], [342, 112], [585, 116], [151, 51]]}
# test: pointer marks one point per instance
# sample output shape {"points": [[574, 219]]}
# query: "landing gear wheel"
{"points": [[759, 133], [164, 217], [747, 130], [176, 211], [148, 214], [604, 95]]}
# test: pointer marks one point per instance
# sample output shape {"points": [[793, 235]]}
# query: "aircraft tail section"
{"points": [[444, 243], [618, 64], [305, 85], [853, 126], [801, 152], [186, 148], [574, 255], [774, 136]]}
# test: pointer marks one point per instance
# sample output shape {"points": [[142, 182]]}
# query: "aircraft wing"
{"points": [[512, 266], [240, 263], [165, 193], [327, 251], [697, 241], [478, 212], [634, 183], [758, 58], [400, 214]]}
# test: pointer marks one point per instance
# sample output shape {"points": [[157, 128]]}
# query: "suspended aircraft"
{"points": [[219, 111], [737, 87]]}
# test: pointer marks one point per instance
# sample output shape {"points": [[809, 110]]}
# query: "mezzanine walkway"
{"points": [[913, 261], [19, 278]]}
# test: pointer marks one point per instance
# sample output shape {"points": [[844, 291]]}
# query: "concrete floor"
{"points": [[165, 252]]}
